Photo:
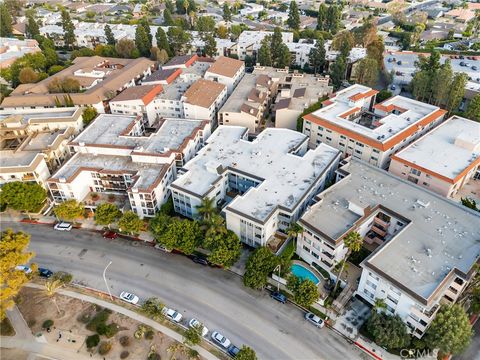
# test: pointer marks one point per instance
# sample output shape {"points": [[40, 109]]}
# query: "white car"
{"points": [[24, 268], [221, 340], [314, 319], [63, 226], [172, 314], [195, 323], [129, 297], [162, 248]]}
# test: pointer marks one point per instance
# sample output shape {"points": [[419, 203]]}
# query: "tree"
{"points": [[337, 71], [205, 24], [181, 234], [388, 331], [68, 29], [246, 353], [225, 247], [343, 40], [366, 71], [141, 41], [322, 17], [31, 29], [106, 214], [317, 56], [28, 76], [280, 51], [305, 292], [222, 32], [63, 85], [470, 203], [227, 12], [51, 57], [456, 91], [293, 20], [193, 335], [89, 113], [13, 247], [168, 18], [5, 21], [153, 308], [383, 95], [109, 35], [23, 196], [125, 48], [259, 265], [473, 109], [69, 210], [441, 83], [159, 225], [51, 288], [162, 41], [333, 17], [179, 40], [264, 55], [353, 242], [82, 52], [210, 47], [206, 209], [130, 223], [146, 26], [162, 57], [450, 331], [375, 50], [366, 34]]}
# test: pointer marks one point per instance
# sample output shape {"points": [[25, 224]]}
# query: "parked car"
{"points": [[162, 248], [329, 285], [314, 319], [110, 234], [43, 272], [279, 297], [63, 226], [233, 350], [221, 340], [474, 68], [392, 87], [195, 323], [129, 297], [172, 314], [199, 260], [24, 268]]}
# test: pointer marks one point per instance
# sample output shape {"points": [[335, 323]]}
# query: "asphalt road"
{"points": [[216, 297]]}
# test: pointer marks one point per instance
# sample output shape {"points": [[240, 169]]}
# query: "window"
{"points": [[371, 284], [415, 172], [368, 293]]}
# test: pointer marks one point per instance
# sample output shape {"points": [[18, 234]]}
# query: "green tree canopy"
{"points": [[23, 196], [5, 21], [109, 35], [473, 109], [293, 20], [205, 24], [259, 265], [207, 209], [280, 51], [225, 248], [13, 246], [125, 48], [322, 17], [246, 353], [130, 223], [141, 41], [168, 18], [366, 71], [159, 225], [179, 40], [89, 113], [264, 55], [450, 331], [227, 12], [388, 331], [68, 29], [175, 233], [162, 41], [192, 335], [107, 214], [337, 71], [210, 48], [317, 56], [69, 210], [32, 29], [305, 292]]}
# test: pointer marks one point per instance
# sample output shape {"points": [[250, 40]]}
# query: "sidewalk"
{"points": [[131, 314]]}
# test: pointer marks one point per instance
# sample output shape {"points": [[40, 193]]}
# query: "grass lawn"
{"points": [[6, 328]]}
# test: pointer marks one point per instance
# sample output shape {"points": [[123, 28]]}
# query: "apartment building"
{"points": [[351, 122], [137, 100], [116, 156], [11, 49], [100, 79], [427, 245], [444, 160], [262, 186], [249, 42], [34, 143], [226, 71], [203, 99]]}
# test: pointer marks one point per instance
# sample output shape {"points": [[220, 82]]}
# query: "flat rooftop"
{"points": [[26, 116], [450, 231], [107, 130], [381, 129], [240, 94], [147, 173], [284, 177], [446, 150]]}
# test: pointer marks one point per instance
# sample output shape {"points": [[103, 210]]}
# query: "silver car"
{"points": [[314, 319]]}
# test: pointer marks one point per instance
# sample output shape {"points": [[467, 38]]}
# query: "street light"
{"points": [[278, 278], [105, 279]]}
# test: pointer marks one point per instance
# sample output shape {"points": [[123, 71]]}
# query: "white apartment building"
{"points": [[34, 142], [249, 42], [444, 160], [351, 122], [203, 99], [137, 100], [262, 186], [115, 155], [226, 71], [427, 245]]}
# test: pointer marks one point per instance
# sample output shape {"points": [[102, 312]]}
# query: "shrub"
{"points": [[153, 356], [85, 318], [100, 317], [124, 354], [149, 334], [47, 324], [111, 330], [104, 348], [125, 341], [93, 341], [63, 276]]}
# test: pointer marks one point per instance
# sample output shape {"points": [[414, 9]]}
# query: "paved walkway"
{"points": [[131, 314]]}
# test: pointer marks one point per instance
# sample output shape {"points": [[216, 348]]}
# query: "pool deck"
{"points": [[317, 274]]}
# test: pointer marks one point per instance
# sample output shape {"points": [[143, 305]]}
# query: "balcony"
{"points": [[379, 231], [382, 223]]}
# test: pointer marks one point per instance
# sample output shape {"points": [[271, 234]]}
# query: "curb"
{"points": [[369, 352]]}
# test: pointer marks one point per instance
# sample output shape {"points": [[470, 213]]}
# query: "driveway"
{"points": [[216, 297]]}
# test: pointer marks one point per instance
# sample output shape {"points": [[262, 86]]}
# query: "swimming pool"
{"points": [[303, 273]]}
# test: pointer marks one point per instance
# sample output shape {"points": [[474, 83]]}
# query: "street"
{"points": [[215, 297]]}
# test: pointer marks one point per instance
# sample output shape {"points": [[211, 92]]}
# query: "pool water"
{"points": [[304, 273]]}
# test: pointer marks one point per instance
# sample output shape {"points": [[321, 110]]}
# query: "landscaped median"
{"points": [[100, 325]]}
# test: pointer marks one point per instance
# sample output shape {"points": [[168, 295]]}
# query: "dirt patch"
{"points": [[69, 328], [13, 354], [6, 328]]}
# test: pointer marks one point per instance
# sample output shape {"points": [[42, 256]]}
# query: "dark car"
{"points": [[110, 235], [279, 297], [45, 272], [329, 285], [199, 260], [233, 350]]}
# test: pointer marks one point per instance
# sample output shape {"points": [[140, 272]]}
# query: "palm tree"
{"points": [[186, 4], [379, 305], [353, 242], [207, 209], [236, 5], [293, 231], [51, 287]]}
